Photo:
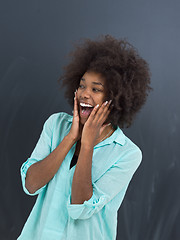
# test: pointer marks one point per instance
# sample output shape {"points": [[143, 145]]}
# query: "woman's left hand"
{"points": [[93, 127]]}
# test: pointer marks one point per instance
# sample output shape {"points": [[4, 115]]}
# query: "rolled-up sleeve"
{"points": [[113, 181], [41, 150]]}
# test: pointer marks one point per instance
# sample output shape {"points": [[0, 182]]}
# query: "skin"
{"points": [[92, 128]]}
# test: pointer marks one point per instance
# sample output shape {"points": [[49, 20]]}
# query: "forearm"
{"points": [[82, 181], [41, 172]]}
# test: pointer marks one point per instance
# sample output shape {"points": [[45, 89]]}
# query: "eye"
{"points": [[96, 90], [80, 85]]}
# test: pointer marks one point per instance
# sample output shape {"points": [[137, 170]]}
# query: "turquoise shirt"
{"points": [[53, 217]]}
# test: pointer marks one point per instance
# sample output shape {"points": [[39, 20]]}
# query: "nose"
{"points": [[85, 94]]}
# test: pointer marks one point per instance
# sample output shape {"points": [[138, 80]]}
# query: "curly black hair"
{"points": [[126, 75]]}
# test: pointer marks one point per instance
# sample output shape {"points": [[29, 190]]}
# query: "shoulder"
{"points": [[130, 145], [126, 149], [59, 117], [59, 121], [124, 143], [131, 153]]}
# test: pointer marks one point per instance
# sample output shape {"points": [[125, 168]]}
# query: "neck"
{"points": [[108, 131]]}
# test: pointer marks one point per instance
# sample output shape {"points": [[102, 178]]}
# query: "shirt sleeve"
{"points": [[107, 186], [41, 150]]}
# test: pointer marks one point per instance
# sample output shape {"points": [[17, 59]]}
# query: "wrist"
{"points": [[70, 138], [87, 146]]}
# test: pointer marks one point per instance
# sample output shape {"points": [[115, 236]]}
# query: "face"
{"points": [[92, 91]]}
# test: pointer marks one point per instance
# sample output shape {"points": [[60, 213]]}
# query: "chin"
{"points": [[83, 120]]}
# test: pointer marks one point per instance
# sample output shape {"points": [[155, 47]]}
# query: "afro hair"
{"points": [[126, 75]]}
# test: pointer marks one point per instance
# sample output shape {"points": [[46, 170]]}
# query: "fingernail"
{"points": [[97, 106], [106, 103], [110, 102]]}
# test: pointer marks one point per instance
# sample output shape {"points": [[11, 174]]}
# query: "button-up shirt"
{"points": [[53, 217]]}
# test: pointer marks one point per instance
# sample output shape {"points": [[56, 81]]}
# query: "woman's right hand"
{"points": [[75, 131]]}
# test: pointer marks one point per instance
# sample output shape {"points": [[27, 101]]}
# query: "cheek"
{"points": [[102, 99]]}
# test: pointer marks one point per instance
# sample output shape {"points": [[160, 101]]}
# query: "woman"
{"points": [[82, 164]]}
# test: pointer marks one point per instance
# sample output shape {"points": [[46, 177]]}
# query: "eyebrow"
{"points": [[97, 83]]}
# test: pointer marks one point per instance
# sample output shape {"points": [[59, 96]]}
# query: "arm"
{"points": [[82, 188], [82, 183], [114, 181], [41, 172]]}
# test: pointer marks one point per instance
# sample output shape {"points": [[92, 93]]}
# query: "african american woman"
{"points": [[83, 163]]}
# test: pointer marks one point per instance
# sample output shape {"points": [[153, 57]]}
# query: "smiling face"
{"points": [[91, 90]]}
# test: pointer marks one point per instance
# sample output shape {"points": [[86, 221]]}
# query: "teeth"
{"points": [[85, 105]]}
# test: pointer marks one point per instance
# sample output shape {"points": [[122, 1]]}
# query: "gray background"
{"points": [[35, 37]]}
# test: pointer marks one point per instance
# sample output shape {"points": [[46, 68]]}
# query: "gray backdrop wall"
{"points": [[35, 38]]}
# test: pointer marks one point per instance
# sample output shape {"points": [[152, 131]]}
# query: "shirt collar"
{"points": [[117, 136]]}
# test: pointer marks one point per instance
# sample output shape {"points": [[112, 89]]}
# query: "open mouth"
{"points": [[85, 111]]}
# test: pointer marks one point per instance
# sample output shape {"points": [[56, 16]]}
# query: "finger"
{"points": [[75, 104], [105, 113], [101, 129], [93, 113], [104, 117], [98, 111], [107, 106], [102, 111]]}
